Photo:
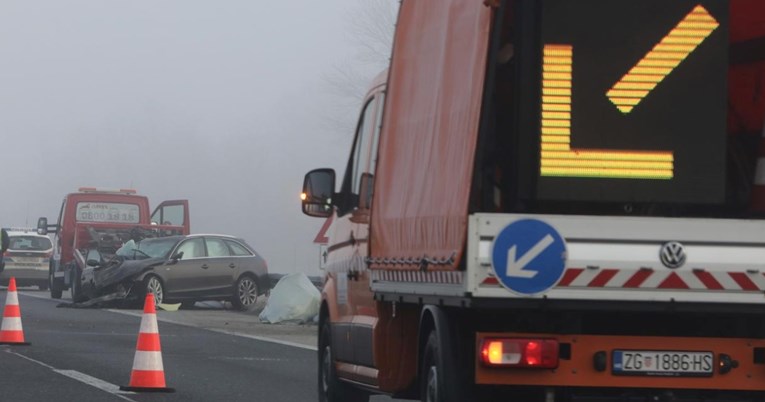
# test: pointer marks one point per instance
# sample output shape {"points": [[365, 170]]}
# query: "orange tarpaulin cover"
{"points": [[430, 130]]}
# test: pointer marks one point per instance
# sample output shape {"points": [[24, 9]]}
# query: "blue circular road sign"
{"points": [[528, 256]]}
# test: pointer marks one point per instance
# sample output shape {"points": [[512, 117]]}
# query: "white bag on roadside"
{"points": [[294, 298]]}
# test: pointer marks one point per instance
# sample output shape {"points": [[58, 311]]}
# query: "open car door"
{"points": [[173, 213]]}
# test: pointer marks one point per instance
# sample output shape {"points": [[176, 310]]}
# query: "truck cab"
{"points": [[95, 211]]}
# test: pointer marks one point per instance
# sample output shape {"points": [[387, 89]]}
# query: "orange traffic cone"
{"points": [[11, 332], [148, 373]]}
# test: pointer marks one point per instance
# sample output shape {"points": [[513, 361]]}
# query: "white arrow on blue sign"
{"points": [[528, 256]]}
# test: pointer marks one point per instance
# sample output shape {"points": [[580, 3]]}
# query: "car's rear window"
{"points": [[33, 243], [237, 249]]}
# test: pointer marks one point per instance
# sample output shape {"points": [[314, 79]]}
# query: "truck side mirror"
{"points": [[42, 226], [318, 189]]}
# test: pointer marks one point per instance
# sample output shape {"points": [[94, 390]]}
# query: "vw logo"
{"points": [[672, 254]]}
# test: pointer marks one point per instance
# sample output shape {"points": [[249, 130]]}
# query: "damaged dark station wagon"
{"points": [[182, 269]]}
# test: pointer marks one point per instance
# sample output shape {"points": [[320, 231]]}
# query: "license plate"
{"points": [[663, 363], [28, 260]]}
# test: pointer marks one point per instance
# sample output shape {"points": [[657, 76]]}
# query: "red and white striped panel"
{"points": [[450, 277], [662, 279]]}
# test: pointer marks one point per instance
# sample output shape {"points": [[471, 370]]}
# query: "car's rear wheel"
{"points": [[155, 287], [43, 286], [245, 293]]}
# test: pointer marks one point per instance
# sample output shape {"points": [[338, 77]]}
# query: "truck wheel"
{"points": [[76, 290], [55, 290], [439, 380], [431, 375], [332, 389]]}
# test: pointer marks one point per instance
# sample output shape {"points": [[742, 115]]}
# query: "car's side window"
{"points": [[237, 249], [216, 248], [192, 248]]}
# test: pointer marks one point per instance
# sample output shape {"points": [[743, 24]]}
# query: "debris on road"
{"points": [[293, 299]]}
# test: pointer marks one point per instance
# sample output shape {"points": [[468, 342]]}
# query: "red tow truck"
{"points": [[105, 217]]}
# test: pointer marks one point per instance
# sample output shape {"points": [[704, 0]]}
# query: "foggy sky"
{"points": [[222, 103]]}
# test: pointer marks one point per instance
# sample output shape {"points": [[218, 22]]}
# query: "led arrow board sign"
{"points": [[633, 100]]}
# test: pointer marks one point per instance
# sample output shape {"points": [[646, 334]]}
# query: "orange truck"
{"points": [[552, 200], [105, 216]]}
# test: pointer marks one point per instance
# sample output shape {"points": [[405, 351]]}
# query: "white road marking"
{"points": [[96, 382], [83, 378], [223, 331], [254, 359], [220, 331]]}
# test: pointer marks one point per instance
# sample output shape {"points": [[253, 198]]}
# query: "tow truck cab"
{"points": [[105, 211]]}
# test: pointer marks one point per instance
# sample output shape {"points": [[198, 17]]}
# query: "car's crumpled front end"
{"points": [[118, 275]]}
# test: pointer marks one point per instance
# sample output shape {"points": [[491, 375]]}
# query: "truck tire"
{"points": [[432, 377], [76, 284], [440, 379], [55, 288], [331, 388]]}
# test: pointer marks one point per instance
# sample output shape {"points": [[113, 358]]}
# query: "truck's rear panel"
{"points": [[641, 303], [612, 259]]}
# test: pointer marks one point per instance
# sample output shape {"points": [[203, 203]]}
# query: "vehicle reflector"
{"points": [[512, 352]]}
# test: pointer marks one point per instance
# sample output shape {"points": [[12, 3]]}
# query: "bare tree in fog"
{"points": [[370, 24]]}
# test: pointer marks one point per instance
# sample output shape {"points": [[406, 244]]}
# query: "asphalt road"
{"points": [[85, 354]]}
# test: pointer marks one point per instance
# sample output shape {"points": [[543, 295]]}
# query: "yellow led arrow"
{"points": [[662, 59], [557, 156]]}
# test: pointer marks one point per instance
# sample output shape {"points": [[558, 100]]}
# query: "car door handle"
{"points": [[205, 266], [232, 265]]}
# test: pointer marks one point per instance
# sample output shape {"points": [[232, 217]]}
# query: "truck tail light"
{"points": [[513, 352]]}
